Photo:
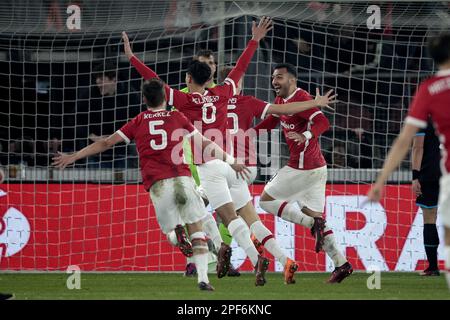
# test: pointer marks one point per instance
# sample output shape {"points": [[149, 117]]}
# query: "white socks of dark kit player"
{"points": [[200, 257], [293, 214], [241, 234]]}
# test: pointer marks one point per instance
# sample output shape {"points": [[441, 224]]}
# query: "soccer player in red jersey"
{"points": [[241, 112], [431, 99], [304, 178], [207, 110], [159, 136]]}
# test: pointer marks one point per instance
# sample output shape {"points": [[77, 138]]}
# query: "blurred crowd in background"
{"points": [[65, 104]]}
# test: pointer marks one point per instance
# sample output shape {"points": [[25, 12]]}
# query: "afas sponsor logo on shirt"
{"points": [[288, 126]]}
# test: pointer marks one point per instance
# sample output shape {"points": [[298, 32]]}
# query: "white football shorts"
{"points": [[252, 175], [176, 201], [221, 185], [306, 186]]}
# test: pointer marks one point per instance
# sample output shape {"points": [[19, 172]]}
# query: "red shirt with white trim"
{"points": [[433, 98], [306, 156], [241, 112], [159, 141], [207, 111]]}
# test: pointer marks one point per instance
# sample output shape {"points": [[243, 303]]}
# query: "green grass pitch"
{"points": [[166, 286]]}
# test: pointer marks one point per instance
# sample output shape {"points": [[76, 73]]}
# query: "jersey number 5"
{"points": [[157, 132], [233, 117]]}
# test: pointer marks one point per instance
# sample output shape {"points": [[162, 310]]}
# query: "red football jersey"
{"points": [[307, 155], [433, 98], [159, 141], [241, 112], [207, 111]]}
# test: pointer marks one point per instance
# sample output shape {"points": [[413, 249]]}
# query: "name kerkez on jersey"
{"points": [[157, 114]]}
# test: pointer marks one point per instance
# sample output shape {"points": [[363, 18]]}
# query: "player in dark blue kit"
{"points": [[426, 174]]}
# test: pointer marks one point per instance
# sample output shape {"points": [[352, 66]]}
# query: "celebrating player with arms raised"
{"points": [[207, 109], [241, 112], [304, 178], [159, 136]]}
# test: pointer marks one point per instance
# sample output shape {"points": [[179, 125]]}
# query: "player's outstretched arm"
{"points": [[173, 97], [62, 160], [258, 32], [143, 70], [269, 123], [396, 155], [295, 107], [126, 45]]}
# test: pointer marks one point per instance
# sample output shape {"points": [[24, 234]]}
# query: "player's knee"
{"points": [[266, 197], [227, 213], [248, 213]]}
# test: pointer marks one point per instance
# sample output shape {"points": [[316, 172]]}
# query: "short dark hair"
{"points": [[199, 71], [153, 91], [105, 70], [439, 48], [289, 68], [224, 72], [204, 53]]}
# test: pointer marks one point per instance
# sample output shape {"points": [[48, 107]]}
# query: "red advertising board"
{"points": [[113, 228]]}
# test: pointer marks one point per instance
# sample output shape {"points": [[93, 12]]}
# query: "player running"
{"points": [[159, 134], [242, 110], [431, 99], [216, 235], [207, 109], [304, 178]]}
